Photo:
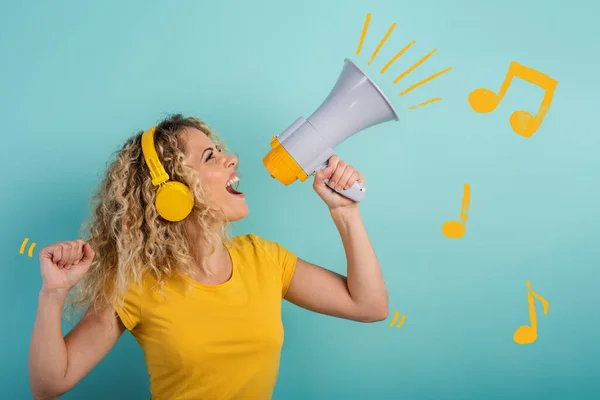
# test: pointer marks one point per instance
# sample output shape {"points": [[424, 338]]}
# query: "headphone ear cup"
{"points": [[174, 201]]}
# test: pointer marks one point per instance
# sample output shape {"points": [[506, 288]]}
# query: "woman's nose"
{"points": [[231, 161]]}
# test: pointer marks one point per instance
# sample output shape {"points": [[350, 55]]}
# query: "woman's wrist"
{"points": [[58, 294], [344, 212]]}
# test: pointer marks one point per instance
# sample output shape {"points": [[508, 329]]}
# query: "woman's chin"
{"points": [[237, 213]]}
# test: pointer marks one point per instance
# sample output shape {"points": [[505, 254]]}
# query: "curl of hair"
{"points": [[127, 234]]}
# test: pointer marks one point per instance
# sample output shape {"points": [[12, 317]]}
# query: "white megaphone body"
{"points": [[354, 104]]}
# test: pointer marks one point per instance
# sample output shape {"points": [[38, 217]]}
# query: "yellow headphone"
{"points": [[174, 200]]}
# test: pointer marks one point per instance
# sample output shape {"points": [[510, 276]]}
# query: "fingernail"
{"points": [[338, 187], [346, 187], [332, 184]]}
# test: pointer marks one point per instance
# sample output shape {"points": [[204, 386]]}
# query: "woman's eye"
{"points": [[212, 154]]}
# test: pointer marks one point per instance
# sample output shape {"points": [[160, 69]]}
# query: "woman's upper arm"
{"points": [[321, 290], [89, 341]]}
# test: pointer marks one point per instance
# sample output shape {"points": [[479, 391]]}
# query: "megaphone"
{"points": [[354, 104]]}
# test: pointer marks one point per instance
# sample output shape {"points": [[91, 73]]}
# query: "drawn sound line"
{"points": [[389, 63], [424, 103], [30, 252], [396, 314], [397, 56]]}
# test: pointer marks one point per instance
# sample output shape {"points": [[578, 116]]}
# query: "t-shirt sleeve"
{"points": [[130, 311], [284, 258]]}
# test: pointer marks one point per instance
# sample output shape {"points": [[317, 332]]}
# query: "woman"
{"points": [[204, 306]]}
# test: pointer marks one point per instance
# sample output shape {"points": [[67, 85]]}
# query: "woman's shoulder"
{"points": [[246, 239], [257, 243], [252, 242]]}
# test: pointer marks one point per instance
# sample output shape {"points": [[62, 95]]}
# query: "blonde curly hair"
{"points": [[128, 236]]}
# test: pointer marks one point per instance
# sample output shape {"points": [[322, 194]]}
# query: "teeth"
{"points": [[232, 181]]}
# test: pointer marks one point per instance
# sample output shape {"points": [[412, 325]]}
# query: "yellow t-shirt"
{"points": [[215, 341]]}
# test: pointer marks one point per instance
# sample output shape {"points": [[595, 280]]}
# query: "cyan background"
{"points": [[77, 78]]}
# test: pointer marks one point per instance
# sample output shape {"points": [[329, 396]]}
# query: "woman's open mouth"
{"points": [[229, 186]]}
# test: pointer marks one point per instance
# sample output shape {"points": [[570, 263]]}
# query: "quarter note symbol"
{"points": [[528, 334], [456, 229], [522, 122]]}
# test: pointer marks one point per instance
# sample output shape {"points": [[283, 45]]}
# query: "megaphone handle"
{"points": [[355, 192]]}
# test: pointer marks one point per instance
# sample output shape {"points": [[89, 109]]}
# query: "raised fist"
{"points": [[62, 264]]}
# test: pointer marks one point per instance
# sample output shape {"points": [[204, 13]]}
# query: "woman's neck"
{"points": [[210, 266]]}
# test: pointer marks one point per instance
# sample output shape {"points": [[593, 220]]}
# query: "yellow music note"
{"points": [[522, 122], [456, 229], [528, 334]]}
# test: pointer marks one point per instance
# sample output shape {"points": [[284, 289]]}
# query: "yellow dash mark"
{"points": [[424, 103], [397, 56], [387, 34], [416, 85], [401, 321], [414, 66], [30, 253], [395, 318], [364, 32], [23, 245], [396, 314]]}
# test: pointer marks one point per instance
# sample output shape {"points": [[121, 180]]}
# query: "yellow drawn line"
{"points": [[424, 103], [396, 314], [397, 56], [364, 32], [23, 245], [425, 81], [30, 252], [387, 34], [401, 321], [414, 66]]}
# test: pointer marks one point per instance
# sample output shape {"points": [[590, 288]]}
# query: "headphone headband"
{"points": [[157, 172], [174, 200]]}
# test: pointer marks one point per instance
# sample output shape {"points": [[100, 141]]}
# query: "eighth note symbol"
{"points": [[456, 229], [528, 334], [522, 122]]}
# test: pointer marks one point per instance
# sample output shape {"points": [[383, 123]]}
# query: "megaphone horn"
{"points": [[354, 104]]}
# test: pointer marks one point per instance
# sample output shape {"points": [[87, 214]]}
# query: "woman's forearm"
{"points": [[364, 277], [48, 352]]}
